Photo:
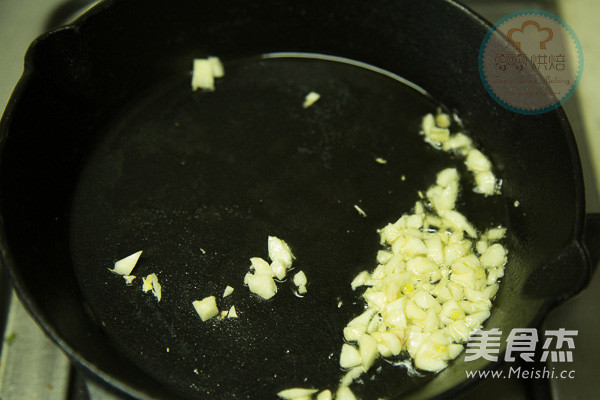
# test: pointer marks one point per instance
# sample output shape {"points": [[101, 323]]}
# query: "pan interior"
{"points": [[199, 180]]}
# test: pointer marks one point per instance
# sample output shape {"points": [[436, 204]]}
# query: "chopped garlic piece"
{"points": [[360, 280], [383, 257], [344, 393], [126, 265], [218, 71], [156, 289], [279, 270], [439, 136], [360, 210], [358, 325], [206, 308], [442, 120], [367, 346], [291, 394], [458, 221], [351, 375], [380, 160], [495, 233], [151, 283], [447, 177], [280, 251], [262, 285], [477, 162], [485, 183], [260, 266], [427, 123], [458, 142], [232, 313], [300, 279], [228, 290], [129, 279], [349, 357], [311, 99], [392, 342], [325, 395], [432, 354], [494, 256], [223, 314], [205, 70], [202, 75], [146, 285]]}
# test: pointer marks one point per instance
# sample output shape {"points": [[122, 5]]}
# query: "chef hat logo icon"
{"points": [[530, 61], [544, 34]]}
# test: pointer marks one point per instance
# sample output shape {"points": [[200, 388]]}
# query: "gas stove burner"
{"points": [[32, 367]]}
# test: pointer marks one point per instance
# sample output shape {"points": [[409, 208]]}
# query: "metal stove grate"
{"points": [[32, 367]]}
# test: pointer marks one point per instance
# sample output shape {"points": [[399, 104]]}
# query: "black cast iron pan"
{"points": [[106, 151]]}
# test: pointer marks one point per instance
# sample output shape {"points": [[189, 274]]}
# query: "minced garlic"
{"points": [[204, 72], [437, 133], [431, 289], [310, 99], [206, 308], [260, 280], [228, 290], [151, 283], [126, 265]]}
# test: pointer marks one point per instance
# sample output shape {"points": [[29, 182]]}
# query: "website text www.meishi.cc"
{"points": [[522, 373]]}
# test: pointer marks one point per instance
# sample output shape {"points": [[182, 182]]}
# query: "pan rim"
{"points": [[7, 260]]}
